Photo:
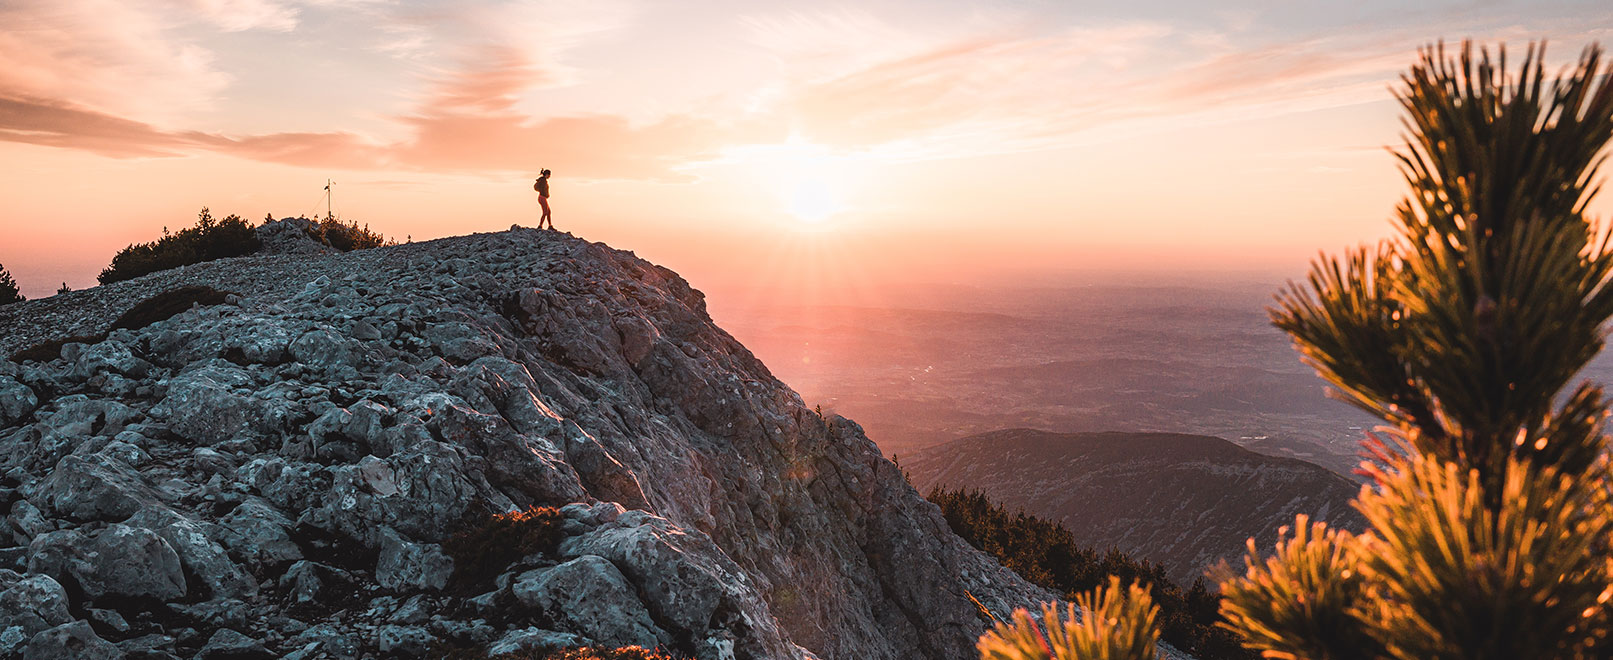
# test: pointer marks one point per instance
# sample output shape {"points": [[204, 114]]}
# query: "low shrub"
{"points": [[1114, 623], [488, 546], [348, 237], [625, 653], [168, 304], [582, 653], [8, 288], [210, 239]]}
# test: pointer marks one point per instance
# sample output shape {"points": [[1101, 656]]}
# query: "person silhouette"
{"points": [[542, 186]]}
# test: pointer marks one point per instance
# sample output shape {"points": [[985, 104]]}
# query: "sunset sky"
{"points": [[736, 142]]}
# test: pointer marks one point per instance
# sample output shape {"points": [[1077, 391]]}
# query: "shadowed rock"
{"points": [[278, 473]]}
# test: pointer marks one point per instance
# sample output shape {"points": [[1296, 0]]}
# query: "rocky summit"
{"points": [[273, 468]]}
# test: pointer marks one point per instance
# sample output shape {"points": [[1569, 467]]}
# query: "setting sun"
{"points": [[809, 183], [812, 201]]}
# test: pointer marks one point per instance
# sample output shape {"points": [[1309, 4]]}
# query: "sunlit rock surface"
{"points": [[274, 476]]}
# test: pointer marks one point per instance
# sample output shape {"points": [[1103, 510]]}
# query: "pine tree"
{"points": [[1490, 510], [8, 288], [1489, 520]]}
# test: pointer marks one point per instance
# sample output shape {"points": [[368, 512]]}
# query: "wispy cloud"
{"points": [[468, 125], [984, 82], [242, 15], [56, 124], [105, 54]]}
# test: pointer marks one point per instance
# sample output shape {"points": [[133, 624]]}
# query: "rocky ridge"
{"points": [[275, 476]]}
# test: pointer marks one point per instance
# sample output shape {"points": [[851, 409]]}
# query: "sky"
{"points": [[744, 144]]}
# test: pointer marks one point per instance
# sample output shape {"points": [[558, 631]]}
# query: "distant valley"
{"points": [[923, 365], [942, 363], [1183, 501]]}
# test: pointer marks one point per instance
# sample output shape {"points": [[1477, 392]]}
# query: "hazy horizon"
{"points": [[866, 144]]}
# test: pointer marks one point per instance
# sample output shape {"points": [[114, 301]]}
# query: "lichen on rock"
{"points": [[278, 473]]}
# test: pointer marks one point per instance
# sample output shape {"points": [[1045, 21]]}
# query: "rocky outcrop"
{"points": [[290, 236], [275, 476]]}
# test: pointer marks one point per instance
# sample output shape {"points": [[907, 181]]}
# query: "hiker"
{"points": [[542, 186]]}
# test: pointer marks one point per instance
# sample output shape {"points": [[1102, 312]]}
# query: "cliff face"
{"points": [[274, 475], [1185, 501]]}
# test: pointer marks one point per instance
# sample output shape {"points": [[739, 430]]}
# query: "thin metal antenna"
{"points": [[328, 194]]}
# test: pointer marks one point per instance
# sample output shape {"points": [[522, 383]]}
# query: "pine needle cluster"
{"points": [[1490, 500], [1488, 505], [1114, 623]]}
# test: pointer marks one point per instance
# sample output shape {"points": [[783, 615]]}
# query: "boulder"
{"points": [[109, 356], [530, 469], [258, 534], [27, 521], [17, 401], [262, 341], [430, 491], [324, 349], [533, 640], [118, 560], [203, 407], [71, 641], [406, 566], [228, 644], [200, 554], [590, 597], [97, 487], [404, 641], [684, 580], [28, 605]]}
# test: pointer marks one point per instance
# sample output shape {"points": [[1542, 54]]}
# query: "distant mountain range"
{"points": [[949, 362], [1186, 501]]}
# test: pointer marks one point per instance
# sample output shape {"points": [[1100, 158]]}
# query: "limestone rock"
{"points": [[28, 605], [279, 474], [533, 639], [118, 560], [16, 401], [324, 349], [228, 644], [94, 488], [199, 553], [590, 597], [684, 580], [404, 641], [203, 407], [70, 641], [259, 534], [411, 566]]}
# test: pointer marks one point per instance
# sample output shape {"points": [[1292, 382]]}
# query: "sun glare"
{"points": [[812, 201], [810, 182]]}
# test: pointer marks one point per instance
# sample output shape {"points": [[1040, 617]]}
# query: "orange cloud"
{"points": [[467, 124], [107, 55], [59, 124]]}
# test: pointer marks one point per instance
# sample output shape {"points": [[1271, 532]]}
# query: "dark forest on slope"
{"points": [[1045, 553]]}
